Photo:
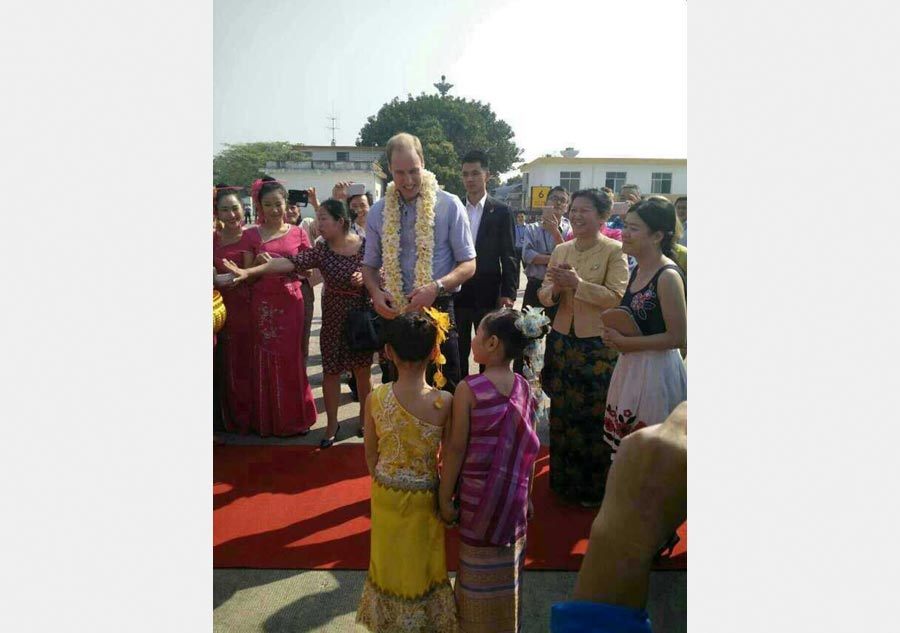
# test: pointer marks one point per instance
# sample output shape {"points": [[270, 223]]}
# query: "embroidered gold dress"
{"points": [[407, 587]]}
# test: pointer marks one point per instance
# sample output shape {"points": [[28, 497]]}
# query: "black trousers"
{"points": [[530, 298], [450, 350], [467, 320]]}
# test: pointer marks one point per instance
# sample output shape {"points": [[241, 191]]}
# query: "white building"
{"points": [[330, 164], [666, 176]]}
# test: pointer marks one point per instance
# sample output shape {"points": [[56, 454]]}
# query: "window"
{"points": [[571, 180], [343, 157], [615, 180], [661, 183]]}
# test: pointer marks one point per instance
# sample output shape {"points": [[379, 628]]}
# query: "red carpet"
{"points": [[299, 507]]}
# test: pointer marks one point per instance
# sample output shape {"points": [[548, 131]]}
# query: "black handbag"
{"points": [[363, 330]]}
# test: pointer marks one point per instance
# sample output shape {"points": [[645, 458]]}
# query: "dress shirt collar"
{"points": [[479, 206]]}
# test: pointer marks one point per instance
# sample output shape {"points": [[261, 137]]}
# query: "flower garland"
{"points": [[390, 239]]}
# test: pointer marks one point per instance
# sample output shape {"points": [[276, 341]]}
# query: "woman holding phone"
{"points": [[234, 347], [358, 201], [282, 397]]}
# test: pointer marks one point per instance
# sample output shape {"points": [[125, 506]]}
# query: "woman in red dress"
{"points": [[235, 342], [283, 400]]}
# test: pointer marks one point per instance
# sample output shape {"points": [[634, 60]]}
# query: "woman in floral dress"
{"points": [[650, 379]]}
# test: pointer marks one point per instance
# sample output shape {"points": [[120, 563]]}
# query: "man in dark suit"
{"points": [[496, 277]]}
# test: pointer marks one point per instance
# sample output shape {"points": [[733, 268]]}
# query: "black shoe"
{"points": [[329, 442]]}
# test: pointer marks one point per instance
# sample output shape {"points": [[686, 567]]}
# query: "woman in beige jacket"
{"points": [[584, 277]]}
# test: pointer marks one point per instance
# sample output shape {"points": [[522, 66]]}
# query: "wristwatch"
{"points": [[442, 292]]}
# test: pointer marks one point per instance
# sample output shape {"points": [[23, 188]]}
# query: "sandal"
{"points": [[328, 442]]}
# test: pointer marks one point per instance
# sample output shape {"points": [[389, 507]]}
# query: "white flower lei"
{"points": [[390, 238]]}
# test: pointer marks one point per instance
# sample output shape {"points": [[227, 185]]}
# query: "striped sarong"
{"points": [[489, 587]]}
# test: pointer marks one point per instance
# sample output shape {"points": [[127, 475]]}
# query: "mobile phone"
{"points": [[620, 208], [223, 278], [356, 189], [298, 196]]}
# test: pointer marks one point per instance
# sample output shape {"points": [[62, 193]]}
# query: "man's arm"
{"points": [[371, 265], [509, 268], [529, 254]]}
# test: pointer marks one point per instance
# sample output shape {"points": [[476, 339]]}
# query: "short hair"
{"points": [[659, 215], [476, 156], [558, 188], [635, 187], [412, 336], [404, 141], [337, 211], [369, 197], [600, 199], [679, 199]]}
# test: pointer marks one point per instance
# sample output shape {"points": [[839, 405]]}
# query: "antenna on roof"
{"points": [[332, 127]]}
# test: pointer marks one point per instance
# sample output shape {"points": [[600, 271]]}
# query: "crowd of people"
{"points": [[601, 333]]}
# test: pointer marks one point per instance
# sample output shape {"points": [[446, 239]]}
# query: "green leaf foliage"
{"points": [[241, 164], [448, 128]]}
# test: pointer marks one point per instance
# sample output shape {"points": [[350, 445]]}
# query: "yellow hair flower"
{"points": [[441, 322]]}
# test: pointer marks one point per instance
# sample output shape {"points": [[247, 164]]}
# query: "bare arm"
{"points": [[547, 293], [371, 439], [646, 501], [458, 439], [674, 308], [275, 266], [459, 275]]}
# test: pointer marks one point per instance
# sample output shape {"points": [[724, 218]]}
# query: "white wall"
{"points": [[331, 154], [594, 174]]}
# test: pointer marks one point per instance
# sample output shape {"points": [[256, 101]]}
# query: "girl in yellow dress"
{"points": [[407, 587]]}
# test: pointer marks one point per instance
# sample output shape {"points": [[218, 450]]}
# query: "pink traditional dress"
{"points": [[236, 339], [493, 495], [282, 397]]}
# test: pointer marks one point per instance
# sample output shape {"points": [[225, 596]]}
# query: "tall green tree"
{"points": [[448, 128], [240, 165]]}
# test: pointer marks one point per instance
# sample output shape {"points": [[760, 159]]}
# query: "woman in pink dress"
{"points": [[282, 398], [235, 342]]}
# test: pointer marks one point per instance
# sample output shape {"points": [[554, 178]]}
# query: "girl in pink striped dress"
{"points": [[491, 452]]}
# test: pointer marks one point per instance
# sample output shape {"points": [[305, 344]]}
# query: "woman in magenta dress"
{"points": [[235, 342], [338, 257], [491, 452], [282, 398]]}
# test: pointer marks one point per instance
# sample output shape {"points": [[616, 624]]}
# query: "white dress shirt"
{"points": [[475, 211]]}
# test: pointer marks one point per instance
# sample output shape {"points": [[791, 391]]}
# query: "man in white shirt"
{"points": [[496, 278]]}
